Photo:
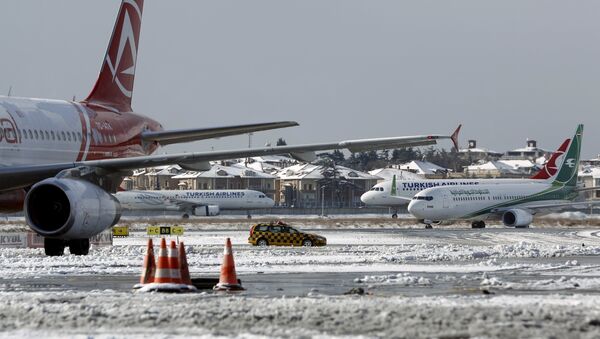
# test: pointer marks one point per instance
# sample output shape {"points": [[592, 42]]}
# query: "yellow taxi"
{"points": [[281, 234]]}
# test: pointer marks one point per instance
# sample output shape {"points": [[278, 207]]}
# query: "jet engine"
{"points": [[68, 208], [517, 218], [207, 210]]}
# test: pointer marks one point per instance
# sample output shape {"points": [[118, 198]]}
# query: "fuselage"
{"points": [[178, 200], [381, 194], [477, 202], [41, 131]]}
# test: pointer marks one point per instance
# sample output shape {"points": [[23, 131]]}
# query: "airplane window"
{"points": [[42, 135], [47, 135], [36, 133], [24, 133], [261, 196], [428, 198], [52, 134], [79, 136], [30, 134]]}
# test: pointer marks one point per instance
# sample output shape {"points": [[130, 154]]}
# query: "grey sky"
{"points": [[507, 70]]}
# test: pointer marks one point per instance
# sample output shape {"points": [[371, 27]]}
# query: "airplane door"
{"points": [[446, 201]]}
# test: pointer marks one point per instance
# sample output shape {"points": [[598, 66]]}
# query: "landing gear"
{"points": [[428, 226], [395, 216], [79, 246], [54, 247], [185, 216], [248, 215], [478, 224]]}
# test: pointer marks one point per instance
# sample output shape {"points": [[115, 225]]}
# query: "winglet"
{"points": [[454, 137], [393, 190]]}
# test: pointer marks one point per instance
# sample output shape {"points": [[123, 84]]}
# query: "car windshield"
{"points": [[293, 230]]}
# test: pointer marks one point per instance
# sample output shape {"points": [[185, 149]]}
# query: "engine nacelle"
{"points": [[517, 218], [70, 208], [207, 211]]}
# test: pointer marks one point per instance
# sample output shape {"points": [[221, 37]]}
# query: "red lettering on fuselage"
{"points": [[8, 131]]}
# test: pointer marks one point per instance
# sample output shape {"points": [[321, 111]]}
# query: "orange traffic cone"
{"points": [[228, 280], [183, 266], [163, 270], [174, 263], [149, 267]]}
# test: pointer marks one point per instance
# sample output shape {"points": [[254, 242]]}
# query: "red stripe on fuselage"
{"points": [[83, 133]]}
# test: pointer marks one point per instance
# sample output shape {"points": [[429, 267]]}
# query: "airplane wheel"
{"points": [[54, 247], [79, 246], [428, 226], [185, 216], [394, 216]]}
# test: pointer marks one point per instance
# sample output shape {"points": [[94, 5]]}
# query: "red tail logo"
{"points": [[550, 168], [114, 87]]}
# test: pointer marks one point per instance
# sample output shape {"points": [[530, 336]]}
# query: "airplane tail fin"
{"points": [[393, 190], [114, 88], [567, 173], [550, 169]]}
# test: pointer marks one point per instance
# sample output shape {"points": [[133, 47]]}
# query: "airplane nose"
{"points": [[270, 202], [415, 207], [366, 197]]}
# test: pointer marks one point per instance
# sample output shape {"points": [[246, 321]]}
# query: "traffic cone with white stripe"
{"points": [[149, 267], [174, 263], [163, 270], [228, 280], [183, 266]]}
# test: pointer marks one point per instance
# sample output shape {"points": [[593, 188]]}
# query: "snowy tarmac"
{"points": [[453, 282]]}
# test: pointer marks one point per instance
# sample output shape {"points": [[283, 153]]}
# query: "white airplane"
{"points": [[396, 193], [194, 202], [60, 159], [514, 204]]}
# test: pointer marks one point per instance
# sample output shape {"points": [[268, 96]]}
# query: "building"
{"points": [[530, 152], [423, 168], [388, 173], [236, 176], [307, 185], [154, 178], [475, 154], [589, 176]]}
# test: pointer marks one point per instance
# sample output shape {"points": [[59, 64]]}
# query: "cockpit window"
{"points": [[423, 197], [261, 196]]}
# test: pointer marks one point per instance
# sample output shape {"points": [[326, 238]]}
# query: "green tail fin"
{"points": [[393, 190], [569, 168]]}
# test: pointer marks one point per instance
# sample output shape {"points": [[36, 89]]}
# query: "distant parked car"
{"points": [[281, 234]]}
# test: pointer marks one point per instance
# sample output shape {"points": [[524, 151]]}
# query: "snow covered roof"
{"points": [[518, 164], [310, 171], [492, 166], [388, 174], [218, 171], [423, 167], [478, 150], [170, 170]]}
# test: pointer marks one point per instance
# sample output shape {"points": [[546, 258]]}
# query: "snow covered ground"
{"points": [[417, 282]]}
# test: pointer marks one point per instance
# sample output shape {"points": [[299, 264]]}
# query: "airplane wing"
{"points": [[16, 177], [186, 135]]}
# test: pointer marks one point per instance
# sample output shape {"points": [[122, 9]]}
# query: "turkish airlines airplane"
{"points": [[194, 202], [396, 193], [514, 204], [60, 160]]}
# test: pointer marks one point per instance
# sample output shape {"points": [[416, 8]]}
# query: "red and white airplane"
{"points": [[59, 160]]}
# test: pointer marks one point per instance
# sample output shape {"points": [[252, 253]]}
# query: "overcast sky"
{"points": [[507, 70]]}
